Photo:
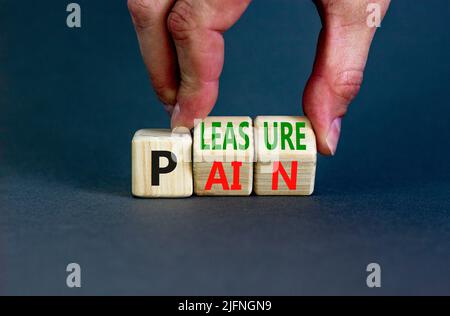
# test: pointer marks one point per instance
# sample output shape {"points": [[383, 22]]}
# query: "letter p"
{"points": [[157, 170]]}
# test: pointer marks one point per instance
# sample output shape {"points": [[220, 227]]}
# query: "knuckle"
{"points": [[143, 12], [181, 20], [348, 84]]}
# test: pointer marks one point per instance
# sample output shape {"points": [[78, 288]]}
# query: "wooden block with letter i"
{"points": [[285, 155], [161, 163], [223, 156]]}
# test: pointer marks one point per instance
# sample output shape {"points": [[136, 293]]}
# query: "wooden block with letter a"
{"points": [[285, 155], [223, 156], [161, 163]]}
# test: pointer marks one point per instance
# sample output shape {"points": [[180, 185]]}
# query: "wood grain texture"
{"points": [[277, 162], [242, 150], [202, 171], [304, 184], [177, 183]]}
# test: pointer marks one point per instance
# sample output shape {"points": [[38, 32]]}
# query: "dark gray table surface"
{"points": [[70, 100]]}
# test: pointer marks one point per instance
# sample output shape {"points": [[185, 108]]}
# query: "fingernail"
{"points": [[332, 138], [181, 130], [169, 108], [175, 114]]}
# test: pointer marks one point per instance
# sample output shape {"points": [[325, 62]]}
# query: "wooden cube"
{"points": [[285, 155], [161, 164], [223, 156]]}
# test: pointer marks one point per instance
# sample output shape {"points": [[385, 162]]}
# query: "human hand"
{"points": [[183, 49]]}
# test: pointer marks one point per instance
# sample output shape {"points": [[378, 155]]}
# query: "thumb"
{"points": [[337, 75]]}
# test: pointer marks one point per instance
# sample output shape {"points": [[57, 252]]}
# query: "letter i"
{"points": [[236, 172]]}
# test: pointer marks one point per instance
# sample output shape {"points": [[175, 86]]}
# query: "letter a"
{"points": [[74, 18], [374, 17], [217, 167], [374, 278], [74, 278]]}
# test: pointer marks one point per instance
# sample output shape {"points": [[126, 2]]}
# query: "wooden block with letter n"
{"points": [[223, 156], [161, 163], [285, 155]]}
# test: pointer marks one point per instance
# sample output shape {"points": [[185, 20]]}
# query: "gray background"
{"points": [[71, 99]]}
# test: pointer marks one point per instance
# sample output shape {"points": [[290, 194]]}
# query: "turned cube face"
{"points": [[223, 156], [285, 155], [161, 164]]}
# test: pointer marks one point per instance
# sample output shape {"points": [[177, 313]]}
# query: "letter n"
{"points": [[278, 168]]}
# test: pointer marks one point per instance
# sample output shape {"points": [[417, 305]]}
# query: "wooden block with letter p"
{"points": [[161, 163], [285, 155], [223, 156]]}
